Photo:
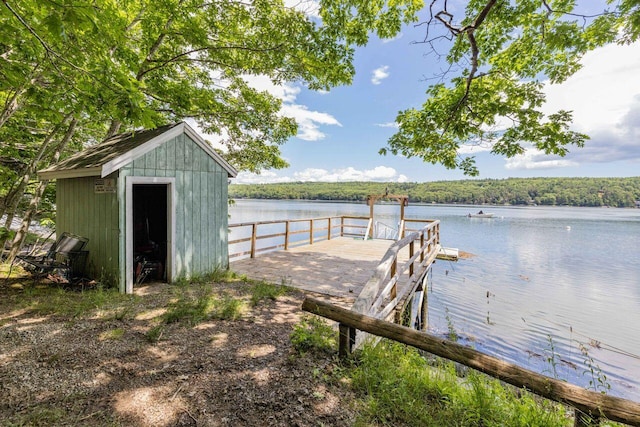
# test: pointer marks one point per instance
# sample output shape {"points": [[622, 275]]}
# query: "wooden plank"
{"points": [[589, 402], [150, 160], [179, 234], [196, 155], [188, 153], [206, 261], [196, 234], [188, 221], [180, 160], [223, 200], [170, 152], [161, 157]]}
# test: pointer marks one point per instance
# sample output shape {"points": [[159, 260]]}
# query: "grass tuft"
{"points": [[262, 291], [397, 386], [313, 333]]}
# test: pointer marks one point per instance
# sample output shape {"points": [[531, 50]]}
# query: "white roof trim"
{"points": [[72, 173], [209, 150], [126, 158], [154, 143], [131, 155]]}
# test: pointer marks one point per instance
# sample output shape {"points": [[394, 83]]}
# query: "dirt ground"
{"points": [[101, 369]]}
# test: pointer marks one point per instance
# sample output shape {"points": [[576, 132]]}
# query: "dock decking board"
{"points": [[338, 267]]}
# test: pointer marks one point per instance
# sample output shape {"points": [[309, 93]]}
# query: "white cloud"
{"points": [[535, 159], [286, 92], [379, 74], [388, 125], [261, 178], [602, 91], [475, 148], [349, 174], [397, 37], [604, 96], [309, 121]]}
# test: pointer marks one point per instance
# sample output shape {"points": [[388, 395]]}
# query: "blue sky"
{"points": [[340, 132]]}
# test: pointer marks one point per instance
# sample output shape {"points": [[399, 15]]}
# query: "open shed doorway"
{"points": [[150, 232]]}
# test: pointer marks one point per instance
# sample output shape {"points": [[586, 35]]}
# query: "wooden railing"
{"points": [[397, 283], [266, 236], [589, 405]]}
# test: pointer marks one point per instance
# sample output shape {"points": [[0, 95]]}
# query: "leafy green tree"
{"points": [[499, 52], [73, 72]]}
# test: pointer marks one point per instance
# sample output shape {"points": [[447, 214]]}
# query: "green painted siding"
{"points": [[201, 203], [201, 226], [94, 216]]}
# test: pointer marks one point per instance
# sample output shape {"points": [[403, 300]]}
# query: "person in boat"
{"points": [[480, 213]]}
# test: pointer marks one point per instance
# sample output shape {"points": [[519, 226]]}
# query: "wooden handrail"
{"points": [[311, 230], [394, 282], [592, 403]]}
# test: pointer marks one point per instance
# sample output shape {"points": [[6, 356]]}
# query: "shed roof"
{"points": [[119, 150]]}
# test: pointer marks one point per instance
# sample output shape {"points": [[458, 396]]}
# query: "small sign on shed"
{"points": [[103, 185]]}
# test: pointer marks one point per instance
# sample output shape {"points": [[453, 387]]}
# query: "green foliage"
{"points": [[266, 291], [228, 308], [500, 55], [190, 310], [614, 192], [313, 333], [597, 378], [154, 334], [452, 334], [198, 303], [552, 357], [397, 386]]}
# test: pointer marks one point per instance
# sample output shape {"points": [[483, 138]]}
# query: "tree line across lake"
{"points": [[614, 192]]}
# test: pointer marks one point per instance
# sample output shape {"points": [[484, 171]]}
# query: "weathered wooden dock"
{"points": [[337, 267], [335, 258]]}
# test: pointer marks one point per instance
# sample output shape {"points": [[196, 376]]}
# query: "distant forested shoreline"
{"points": [[614, 192]]}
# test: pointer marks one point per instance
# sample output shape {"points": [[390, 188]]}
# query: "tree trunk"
{"points": [[13, 104], [12, 199], [21, 234], [114, 128]]}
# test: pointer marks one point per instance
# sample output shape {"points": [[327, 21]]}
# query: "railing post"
{"points": [[254, 228], [347, 340], [424, 309], [394, 268], [311, 231], [421, 246], [411, 252], [286, 235], [329, 228], [341, 226]]}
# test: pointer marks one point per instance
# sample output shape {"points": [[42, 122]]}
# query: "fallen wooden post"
{"points": [[589, 402]]}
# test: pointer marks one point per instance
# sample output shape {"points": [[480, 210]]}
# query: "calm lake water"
{"points": [[553, 289]]}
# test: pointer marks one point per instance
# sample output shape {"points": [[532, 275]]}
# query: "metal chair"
{"points": [[66, 256]]}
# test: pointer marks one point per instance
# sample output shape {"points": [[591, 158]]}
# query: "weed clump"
{"points": [[313, 333]]}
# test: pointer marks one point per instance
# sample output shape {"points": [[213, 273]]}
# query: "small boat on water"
{"points": [[480, 215]]}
